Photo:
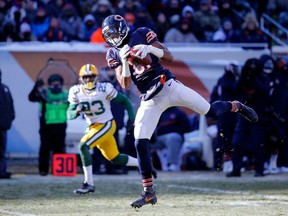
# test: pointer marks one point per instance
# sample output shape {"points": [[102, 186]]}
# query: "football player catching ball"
{"points": [[159, 90]]}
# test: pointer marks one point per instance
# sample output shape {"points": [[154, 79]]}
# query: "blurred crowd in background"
{"points": [[260, 83], [173, 20]]}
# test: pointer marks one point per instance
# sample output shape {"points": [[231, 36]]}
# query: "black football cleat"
{"points": [[86, 188], [246, 112], [233, 174], [146, 198], [6, 175]]}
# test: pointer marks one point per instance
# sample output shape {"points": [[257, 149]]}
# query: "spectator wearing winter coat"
{"points": [[100, 10], [54, 7], [250, 31], [17, 14], [208, 18], [143, 18], [26, 32], [182, 33], [189, 13], [249, 139], [227, 11], [40, 24], [4, 8], [226, 33], [71, 23], [9, 33], [54, 32], [7, 115], [277, 114], [131, 21], [90, 26], [128, 6]]}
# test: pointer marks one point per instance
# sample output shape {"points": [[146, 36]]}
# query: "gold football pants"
{"points": [[101, 136]]}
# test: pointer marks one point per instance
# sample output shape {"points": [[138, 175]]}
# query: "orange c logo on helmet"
{"points": [[118, 18]]}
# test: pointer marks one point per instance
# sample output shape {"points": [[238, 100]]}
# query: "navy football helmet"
{"points": [[114, 30]]}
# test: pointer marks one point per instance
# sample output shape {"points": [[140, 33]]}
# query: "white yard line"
{"points": [[283, 198], [14, 213]]}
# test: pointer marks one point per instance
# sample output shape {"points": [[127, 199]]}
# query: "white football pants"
{"points": [[173, 93]]}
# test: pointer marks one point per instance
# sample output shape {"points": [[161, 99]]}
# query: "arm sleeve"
{"points": [[124, 100], [35, 95], [72, 112], [73, 103], [110, 91], [112, 58], [12, 107]]}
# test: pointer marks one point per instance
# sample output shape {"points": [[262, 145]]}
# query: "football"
{"points": [[135, 60]]}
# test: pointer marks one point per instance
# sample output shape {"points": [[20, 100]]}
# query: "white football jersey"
{"points": [[97, 102]]}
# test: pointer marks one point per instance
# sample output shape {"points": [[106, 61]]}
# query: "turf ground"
{"points": [[183, 193]]}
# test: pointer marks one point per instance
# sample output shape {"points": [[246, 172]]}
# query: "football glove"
{"points": [[143, 50], [124, 52], [82, 108]]}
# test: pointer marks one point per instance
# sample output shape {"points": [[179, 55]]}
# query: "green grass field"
{"points": [[183, 193]]}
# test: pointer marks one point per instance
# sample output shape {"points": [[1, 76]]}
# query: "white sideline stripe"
{"points": [[206, 189], [15, 213], [213, 190]]}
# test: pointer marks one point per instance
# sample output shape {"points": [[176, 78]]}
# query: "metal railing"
{"points": [[267, 23]]}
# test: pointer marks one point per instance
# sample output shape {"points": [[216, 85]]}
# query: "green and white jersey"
{"points": [[96, 102]]}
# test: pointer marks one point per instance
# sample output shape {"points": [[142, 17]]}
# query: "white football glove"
{"points": [[124, 52], [81, 108], [143, 50]]}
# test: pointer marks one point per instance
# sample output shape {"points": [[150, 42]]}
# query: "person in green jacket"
{"points": [[53, 119]]}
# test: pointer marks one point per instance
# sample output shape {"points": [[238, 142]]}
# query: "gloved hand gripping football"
{"points": [[124, 52], [139, 55]]}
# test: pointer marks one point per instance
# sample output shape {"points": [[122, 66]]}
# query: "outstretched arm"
{"points": [[156, 49], [37, 93]]}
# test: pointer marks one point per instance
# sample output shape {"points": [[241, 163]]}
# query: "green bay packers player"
{"points": [[93, 98]]}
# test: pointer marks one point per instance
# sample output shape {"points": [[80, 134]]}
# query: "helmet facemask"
{"points": [[114, 36], [115, 30], [89, 81], [88, 76]]}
